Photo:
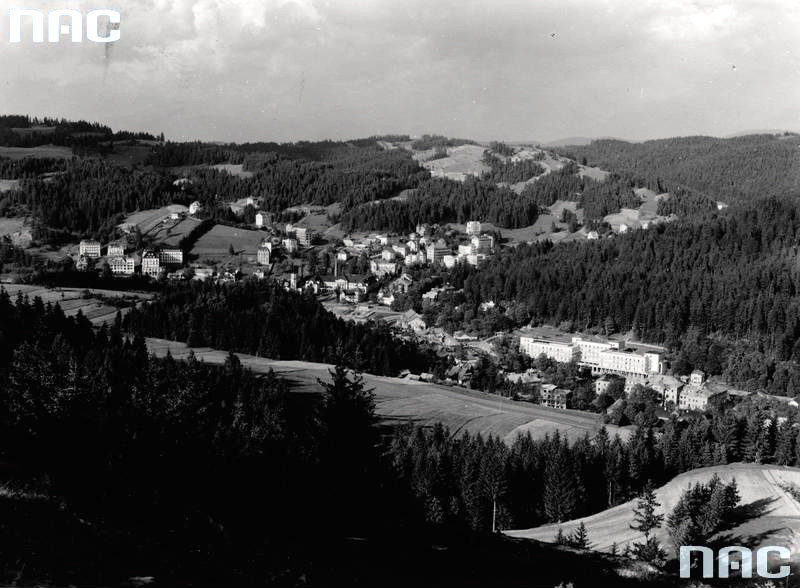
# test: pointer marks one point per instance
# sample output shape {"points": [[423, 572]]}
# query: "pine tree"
{"points": [[646, 520], [580, 537]]}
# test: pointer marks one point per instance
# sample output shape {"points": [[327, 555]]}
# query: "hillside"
{"points": [[731, 170], [401, 400], [767, 514]]}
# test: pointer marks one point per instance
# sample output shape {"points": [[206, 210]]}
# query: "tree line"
{"points": [[261, 318]]}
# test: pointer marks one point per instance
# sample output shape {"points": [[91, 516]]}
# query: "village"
{"points": [[363, 277]]}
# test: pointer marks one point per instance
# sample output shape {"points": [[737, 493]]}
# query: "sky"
{"points": [[513, 70]]}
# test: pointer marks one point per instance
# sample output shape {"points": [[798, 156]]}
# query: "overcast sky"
{"points": [[496, 69]]}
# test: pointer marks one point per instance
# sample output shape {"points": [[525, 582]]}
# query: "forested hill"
{"points": [[725, 291], [732, 170], [263, 319]]}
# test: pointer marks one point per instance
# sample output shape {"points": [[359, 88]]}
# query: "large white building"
{"points": [[562, 352], [482, 244], [89, 248], [121, 265], [170, 257], [601, 356], [436, 252], [151, 266], [473, 227], [115, 250]]}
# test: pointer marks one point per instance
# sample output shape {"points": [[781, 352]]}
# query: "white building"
{"points": [[558, 351], [151, 266], [482, 244], [115, 250], [387, 254], [89, 248], [591, 349], [195, 207], [465, 249], [437, 251], [304, 236], [263, 254], [170, 257], [382, 267], [261, 219], [290, 245], [473, 228], [449, 261], [121, 265]]}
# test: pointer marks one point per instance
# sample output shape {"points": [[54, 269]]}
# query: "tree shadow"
{"points": [[747, 512]]}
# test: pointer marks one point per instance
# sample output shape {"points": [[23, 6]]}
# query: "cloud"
{"points": [[289, 69]]}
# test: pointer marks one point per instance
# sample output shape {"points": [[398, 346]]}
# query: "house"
{"points": [[387, 255], [695, 398], [203, 273], [261, 219], [697, 377], [89, 248], [121, 265], [195, 207], [402, 284], [263, 253], [115, 250], [411, 320], [475, 259], [449, 261], [151, 265], [554, 397], [82, 264], [592, 235], [382, 268], [170, 257], [669, 387], [385, 298]]}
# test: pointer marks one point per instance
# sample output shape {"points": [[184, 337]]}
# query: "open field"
{"points": [[54, 151], [770, 516], [72, 300], [401, 400], [460, 162], [219, 238], [233, 169], [16, 229], [151, 223]]}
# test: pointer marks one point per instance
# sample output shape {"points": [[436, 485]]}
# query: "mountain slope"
{"points": [[767, 515]]}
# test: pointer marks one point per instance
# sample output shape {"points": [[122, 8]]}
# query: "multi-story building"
{"points": [[89, 248], [170, 257], [121, 265], [465, 249], [694, 398], [263, 253], [151, 265], [388, 255], [304, 236], [603, 357], [115, 250], [555, 350], [437, 251], [261, 219], [473, 228], [482, 244], [590, 349], [290, 245], [554, 397]]}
